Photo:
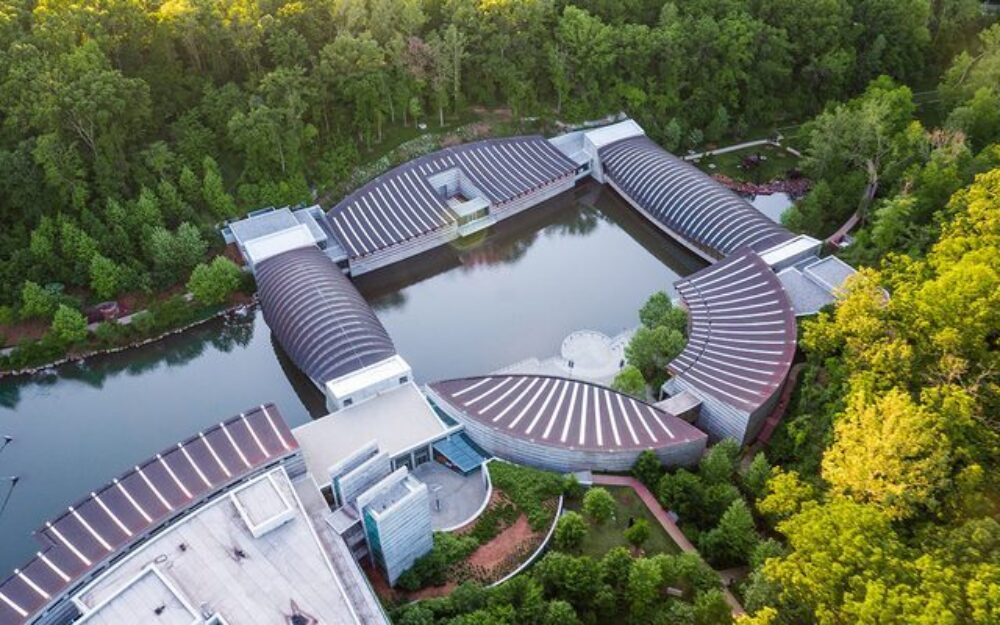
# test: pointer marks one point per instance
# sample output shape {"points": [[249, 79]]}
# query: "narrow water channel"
{"points": [[582, 260]]}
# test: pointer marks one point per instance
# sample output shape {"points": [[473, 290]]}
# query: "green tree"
{"points": [[638, 533], [651, 350], [214, 192], [570, 531], [560, 612], [647, 468], [629, 381], [211, 283], [175, 253], [105, 277], [757, 475], [659, 310], [69, 326], [37, 302], [718, 465], [731, 542], [599, 505], [643, 589]]}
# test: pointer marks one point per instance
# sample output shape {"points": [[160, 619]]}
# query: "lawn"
{"points": [[602, 538], [776, 165]]}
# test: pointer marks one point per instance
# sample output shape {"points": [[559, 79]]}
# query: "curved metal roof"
{"points": [[113, 518], [687, 201], [563, 412], [401, 204], [319, 317], [741, 331]]}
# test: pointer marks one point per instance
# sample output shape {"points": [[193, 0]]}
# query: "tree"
{"points": [[757, 476], [37, 302], [211, 283], [560, 612], [786, 494], [733, 539], [648, 468], [105, 277], [570, 531], [599, 505], [682, 492], [69, 326], [651, 350], [174, 253], [719, 464], [630, 381], [889, 451], [214, 192], [638, 533], [643, 589], [659, 310]]}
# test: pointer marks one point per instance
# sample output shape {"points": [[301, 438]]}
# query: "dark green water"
{"points": [[467, 309]]}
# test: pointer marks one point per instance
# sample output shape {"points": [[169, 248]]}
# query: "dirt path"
{"points": [[666, 522]]}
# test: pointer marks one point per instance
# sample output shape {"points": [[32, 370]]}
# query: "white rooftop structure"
{"points": [[400, 419], [269, 232], [606, 135], [790, 252], [367, 382], [210, 569], [268, 245]]}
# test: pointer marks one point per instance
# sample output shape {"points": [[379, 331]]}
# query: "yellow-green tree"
{"points": [[889, 451]]}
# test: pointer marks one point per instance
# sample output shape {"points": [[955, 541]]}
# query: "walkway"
{"points": [[666, 522]]}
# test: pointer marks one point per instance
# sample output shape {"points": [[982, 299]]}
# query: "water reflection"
{"points": [[582, 260]]}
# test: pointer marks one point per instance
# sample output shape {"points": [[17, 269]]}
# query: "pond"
{"points": [[582, 260], [773, 205]]}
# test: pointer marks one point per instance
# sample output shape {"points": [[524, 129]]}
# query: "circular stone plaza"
{"points": [[195, 533]]}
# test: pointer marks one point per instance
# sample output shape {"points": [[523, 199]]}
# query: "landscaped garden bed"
{"points": [[513, 526]]}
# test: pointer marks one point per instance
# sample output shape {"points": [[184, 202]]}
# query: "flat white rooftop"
{"points": [[269, 245], [387, 369], [400, 419], [790, 251], [605, 135], [209, 560]]}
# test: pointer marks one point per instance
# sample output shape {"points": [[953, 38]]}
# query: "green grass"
{"points": [[602, 538], [777, 164]]}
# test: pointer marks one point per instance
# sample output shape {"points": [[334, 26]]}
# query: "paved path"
{"points": [[665, 521]]}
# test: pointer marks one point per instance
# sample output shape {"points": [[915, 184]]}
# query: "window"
{"points": [[404, 379], [348, 402], [421, 456]]}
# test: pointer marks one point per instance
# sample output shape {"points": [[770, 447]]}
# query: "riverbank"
{"points": [[239, 304]]}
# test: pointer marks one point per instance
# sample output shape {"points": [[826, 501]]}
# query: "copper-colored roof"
{"points": [[319, 317], [686, 200], [742, 331], [563, 412], [114, 517]]}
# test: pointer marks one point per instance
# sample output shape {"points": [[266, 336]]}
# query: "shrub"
{"points": [[528, 489], [599, 505], [431, 569], [570, 532]]}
